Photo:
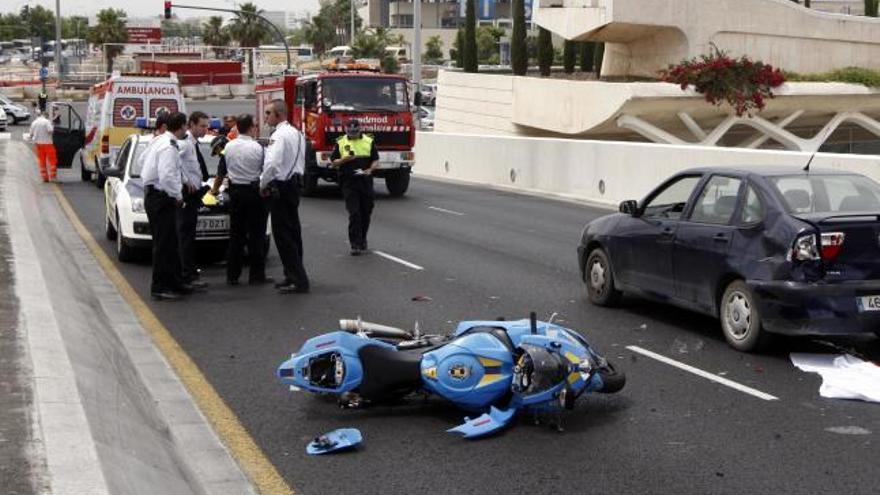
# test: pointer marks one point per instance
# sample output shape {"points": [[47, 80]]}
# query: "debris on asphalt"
{"points": [[843, 376], [421, 299], [341, 439], [848, 430]]}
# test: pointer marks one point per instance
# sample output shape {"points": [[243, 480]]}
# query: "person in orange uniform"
{"points": [[41, 136]]}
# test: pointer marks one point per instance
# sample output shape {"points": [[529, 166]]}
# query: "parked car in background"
{"points": [[429, 94], [426, 119], [3, 120], [765, 249], [15, 112]]}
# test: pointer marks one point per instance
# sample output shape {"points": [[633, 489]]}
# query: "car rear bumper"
{"points": [[799, 308]]}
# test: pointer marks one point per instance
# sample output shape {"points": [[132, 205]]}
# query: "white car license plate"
{"points": [[212, 224], [868, 303]]}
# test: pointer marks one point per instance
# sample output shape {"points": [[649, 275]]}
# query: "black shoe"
{"points": [[165, 295], [261, 281], [197, 284], [293, 289], [356, 251], [283, 283]]}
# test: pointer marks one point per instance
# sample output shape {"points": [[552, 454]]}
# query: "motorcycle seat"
{"points": [[387, 372]]}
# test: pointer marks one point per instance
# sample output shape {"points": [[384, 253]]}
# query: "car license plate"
{"points": [[868, 303], [212, 224]]}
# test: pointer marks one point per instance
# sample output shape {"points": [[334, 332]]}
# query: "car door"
{"points": [[68, 134], [703, 241], [115, 182], [646, 239]]}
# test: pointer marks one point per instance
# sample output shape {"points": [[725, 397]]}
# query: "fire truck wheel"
{"points": [[309, 184], [397, 183]]}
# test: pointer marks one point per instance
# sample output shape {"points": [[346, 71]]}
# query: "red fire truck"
{"points": [[321, 104]]}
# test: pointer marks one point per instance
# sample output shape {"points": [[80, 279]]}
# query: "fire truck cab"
{"points": [[321, 105]]}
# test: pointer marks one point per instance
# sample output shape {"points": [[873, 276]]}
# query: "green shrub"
{"points": [[854, 75]]}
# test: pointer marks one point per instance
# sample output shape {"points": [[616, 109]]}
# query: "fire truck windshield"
{"points": [[364, 94]]}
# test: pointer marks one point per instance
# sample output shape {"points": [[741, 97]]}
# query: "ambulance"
{"points": [[113, 108]]}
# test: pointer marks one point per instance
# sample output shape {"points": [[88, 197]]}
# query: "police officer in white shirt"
{"points": [[248, 209], [163, 186], [284, 166], [194, 174]]}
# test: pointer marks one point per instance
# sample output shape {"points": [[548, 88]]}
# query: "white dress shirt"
{"points": [[189, 161], [244, 160], [162, 168], [41, 131], [285, 155]]}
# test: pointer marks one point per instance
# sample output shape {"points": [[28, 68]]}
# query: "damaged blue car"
{"points": [[767, 250]]}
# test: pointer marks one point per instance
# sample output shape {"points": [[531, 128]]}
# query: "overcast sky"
{"points": [[143, 8]]}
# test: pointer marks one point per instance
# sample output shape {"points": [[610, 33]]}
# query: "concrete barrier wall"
{"points": [[604, 172]]}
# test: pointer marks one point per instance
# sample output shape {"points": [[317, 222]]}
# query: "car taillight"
{"points": [[832, 244], [805, 248], [105, 144]]}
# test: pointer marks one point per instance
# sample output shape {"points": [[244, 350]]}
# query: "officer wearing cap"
{"points": [[356, 157], [248, 210], [283, 167], [164, 196]]}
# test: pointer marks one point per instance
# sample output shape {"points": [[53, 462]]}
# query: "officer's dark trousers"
{"points": [[248, 215], [284, 207], [162, 215], [187, 217], [358, 194]]}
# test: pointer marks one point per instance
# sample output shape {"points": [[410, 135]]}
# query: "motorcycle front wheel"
{"points": [[613, 379]]}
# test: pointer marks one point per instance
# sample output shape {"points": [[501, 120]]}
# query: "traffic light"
{"points": [[168, 10]]}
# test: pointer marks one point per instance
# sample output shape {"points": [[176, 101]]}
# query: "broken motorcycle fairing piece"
{"points": [[343, 438], [496, 368]]}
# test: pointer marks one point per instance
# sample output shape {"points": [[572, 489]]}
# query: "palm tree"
{"points": [[110, 32], [248, 29], [215, 35]]}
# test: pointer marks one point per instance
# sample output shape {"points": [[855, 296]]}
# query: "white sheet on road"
{"points": [[843, 376]]}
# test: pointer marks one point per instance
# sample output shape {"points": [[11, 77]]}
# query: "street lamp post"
{"points": [[59, 56]]}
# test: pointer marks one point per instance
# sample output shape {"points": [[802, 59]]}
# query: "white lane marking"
{"points": [[444, 210], [705, 374], [398, 260], [5, 136]]}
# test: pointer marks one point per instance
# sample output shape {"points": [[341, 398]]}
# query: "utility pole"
{"points": [[351, 37], [417, 46], [59, 55]]}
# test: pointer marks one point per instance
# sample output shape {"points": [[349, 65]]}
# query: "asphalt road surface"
{"points": [[486, 254]]}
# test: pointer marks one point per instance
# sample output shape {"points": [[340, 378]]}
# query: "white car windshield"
{"points": [[212, 162]]}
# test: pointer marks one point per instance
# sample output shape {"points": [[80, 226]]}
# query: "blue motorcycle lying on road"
{"points": [[497, 368]]}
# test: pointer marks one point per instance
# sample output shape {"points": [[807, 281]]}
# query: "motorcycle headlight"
{"points": [[137, 205]]}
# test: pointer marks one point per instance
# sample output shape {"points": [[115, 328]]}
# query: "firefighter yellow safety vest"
{"points": [[361, 147]]}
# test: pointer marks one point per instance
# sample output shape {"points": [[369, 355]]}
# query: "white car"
{"points": [[125, 218], [15, 113], [2, 120]]}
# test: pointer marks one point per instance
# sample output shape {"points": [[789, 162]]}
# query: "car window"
{"points": [[122, 157], [717, 201], [753, 208], [137, 161], [829, 193], [670, 202]]}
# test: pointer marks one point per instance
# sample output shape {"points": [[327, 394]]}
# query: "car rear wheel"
{"points": [[124, 252], [599, 279], [741, 319], [397, 183], [84, 174]]}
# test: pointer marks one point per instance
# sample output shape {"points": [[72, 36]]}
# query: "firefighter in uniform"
{"points": [[283, 167], [248, 210], [163, 186], [194, 174], [356, 157]]}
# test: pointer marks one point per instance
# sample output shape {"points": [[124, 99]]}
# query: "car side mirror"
{"points": [[112, 172], [629, 207]]}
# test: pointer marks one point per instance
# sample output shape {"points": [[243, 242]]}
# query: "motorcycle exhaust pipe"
{"points": [[354, 326]]}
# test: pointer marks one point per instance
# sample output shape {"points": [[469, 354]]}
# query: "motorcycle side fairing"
{"points": [[472, 371]]}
